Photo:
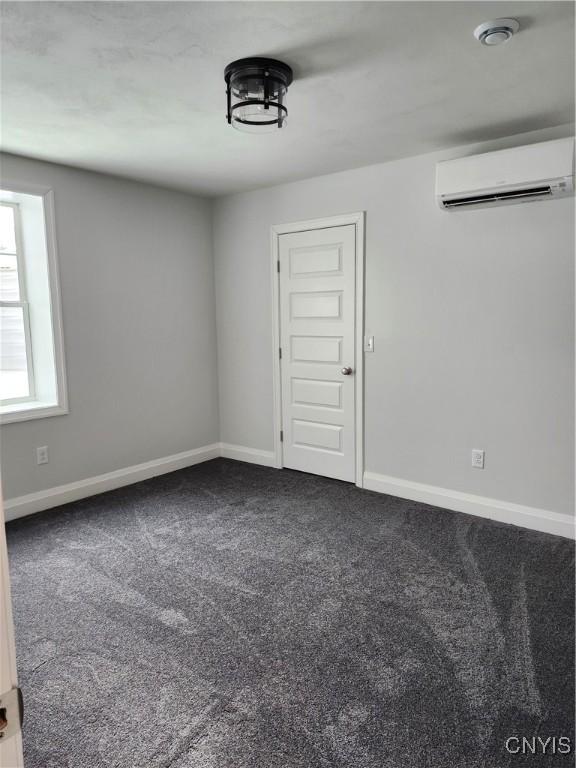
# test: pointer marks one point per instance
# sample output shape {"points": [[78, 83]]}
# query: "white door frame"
{"points": [[11, 749], [357, 219]]}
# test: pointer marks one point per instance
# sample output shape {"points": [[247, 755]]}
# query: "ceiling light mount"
{"points": [[496, 31], [256, 90]]}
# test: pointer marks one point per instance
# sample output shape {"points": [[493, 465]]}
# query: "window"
{"points": [[32, 375], [17, 382]]}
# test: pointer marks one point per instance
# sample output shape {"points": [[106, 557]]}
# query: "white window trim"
{"points": [[36, 409]]}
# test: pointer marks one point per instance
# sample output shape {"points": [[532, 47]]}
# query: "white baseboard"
{"points": [[494, 509], [251, 455], [62, 494]]}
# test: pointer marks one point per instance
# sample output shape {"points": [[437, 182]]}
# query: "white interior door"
{"points": [[10, 748], [317, 336]]}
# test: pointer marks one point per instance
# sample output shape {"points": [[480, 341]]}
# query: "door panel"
{"points": [[316, 349], [321, 260], [317, 333], [316, 306], [316, 392], [314, 434]]}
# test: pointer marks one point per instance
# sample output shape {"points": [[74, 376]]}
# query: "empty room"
{"points": [[287, 384]]}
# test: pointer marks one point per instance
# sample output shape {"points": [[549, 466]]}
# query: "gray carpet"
{"points": [[234, 616]]}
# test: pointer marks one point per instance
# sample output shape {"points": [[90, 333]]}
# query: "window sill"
{"points": [[28, 411]]}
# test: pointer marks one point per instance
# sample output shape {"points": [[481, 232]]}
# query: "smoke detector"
{"points": [[496, 31]]}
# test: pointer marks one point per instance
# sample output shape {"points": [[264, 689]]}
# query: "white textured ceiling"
{"points": [[136, 88]]}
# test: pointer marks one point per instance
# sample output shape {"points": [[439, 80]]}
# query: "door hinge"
{"points": [[281, 435], [278, 265], [280, 353], [11, 713]]}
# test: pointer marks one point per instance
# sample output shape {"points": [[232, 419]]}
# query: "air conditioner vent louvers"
{"points": [[495, 197], [532, 173]]}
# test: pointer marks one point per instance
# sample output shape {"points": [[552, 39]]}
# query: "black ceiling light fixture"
{"points": [[256, 92]]}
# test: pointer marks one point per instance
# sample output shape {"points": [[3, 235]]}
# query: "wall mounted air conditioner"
{"points": [[523, 174]]}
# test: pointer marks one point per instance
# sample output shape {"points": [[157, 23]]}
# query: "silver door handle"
{"points": [[346, 371]]}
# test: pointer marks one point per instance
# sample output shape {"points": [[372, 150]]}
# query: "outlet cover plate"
{"points": [[477, 458]]}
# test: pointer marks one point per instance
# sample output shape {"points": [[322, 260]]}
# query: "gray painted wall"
{"points": [[137, 285], [472, 314]]}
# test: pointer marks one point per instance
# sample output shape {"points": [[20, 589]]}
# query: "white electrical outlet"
{"points": [[42, 454], [477, 458]]}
